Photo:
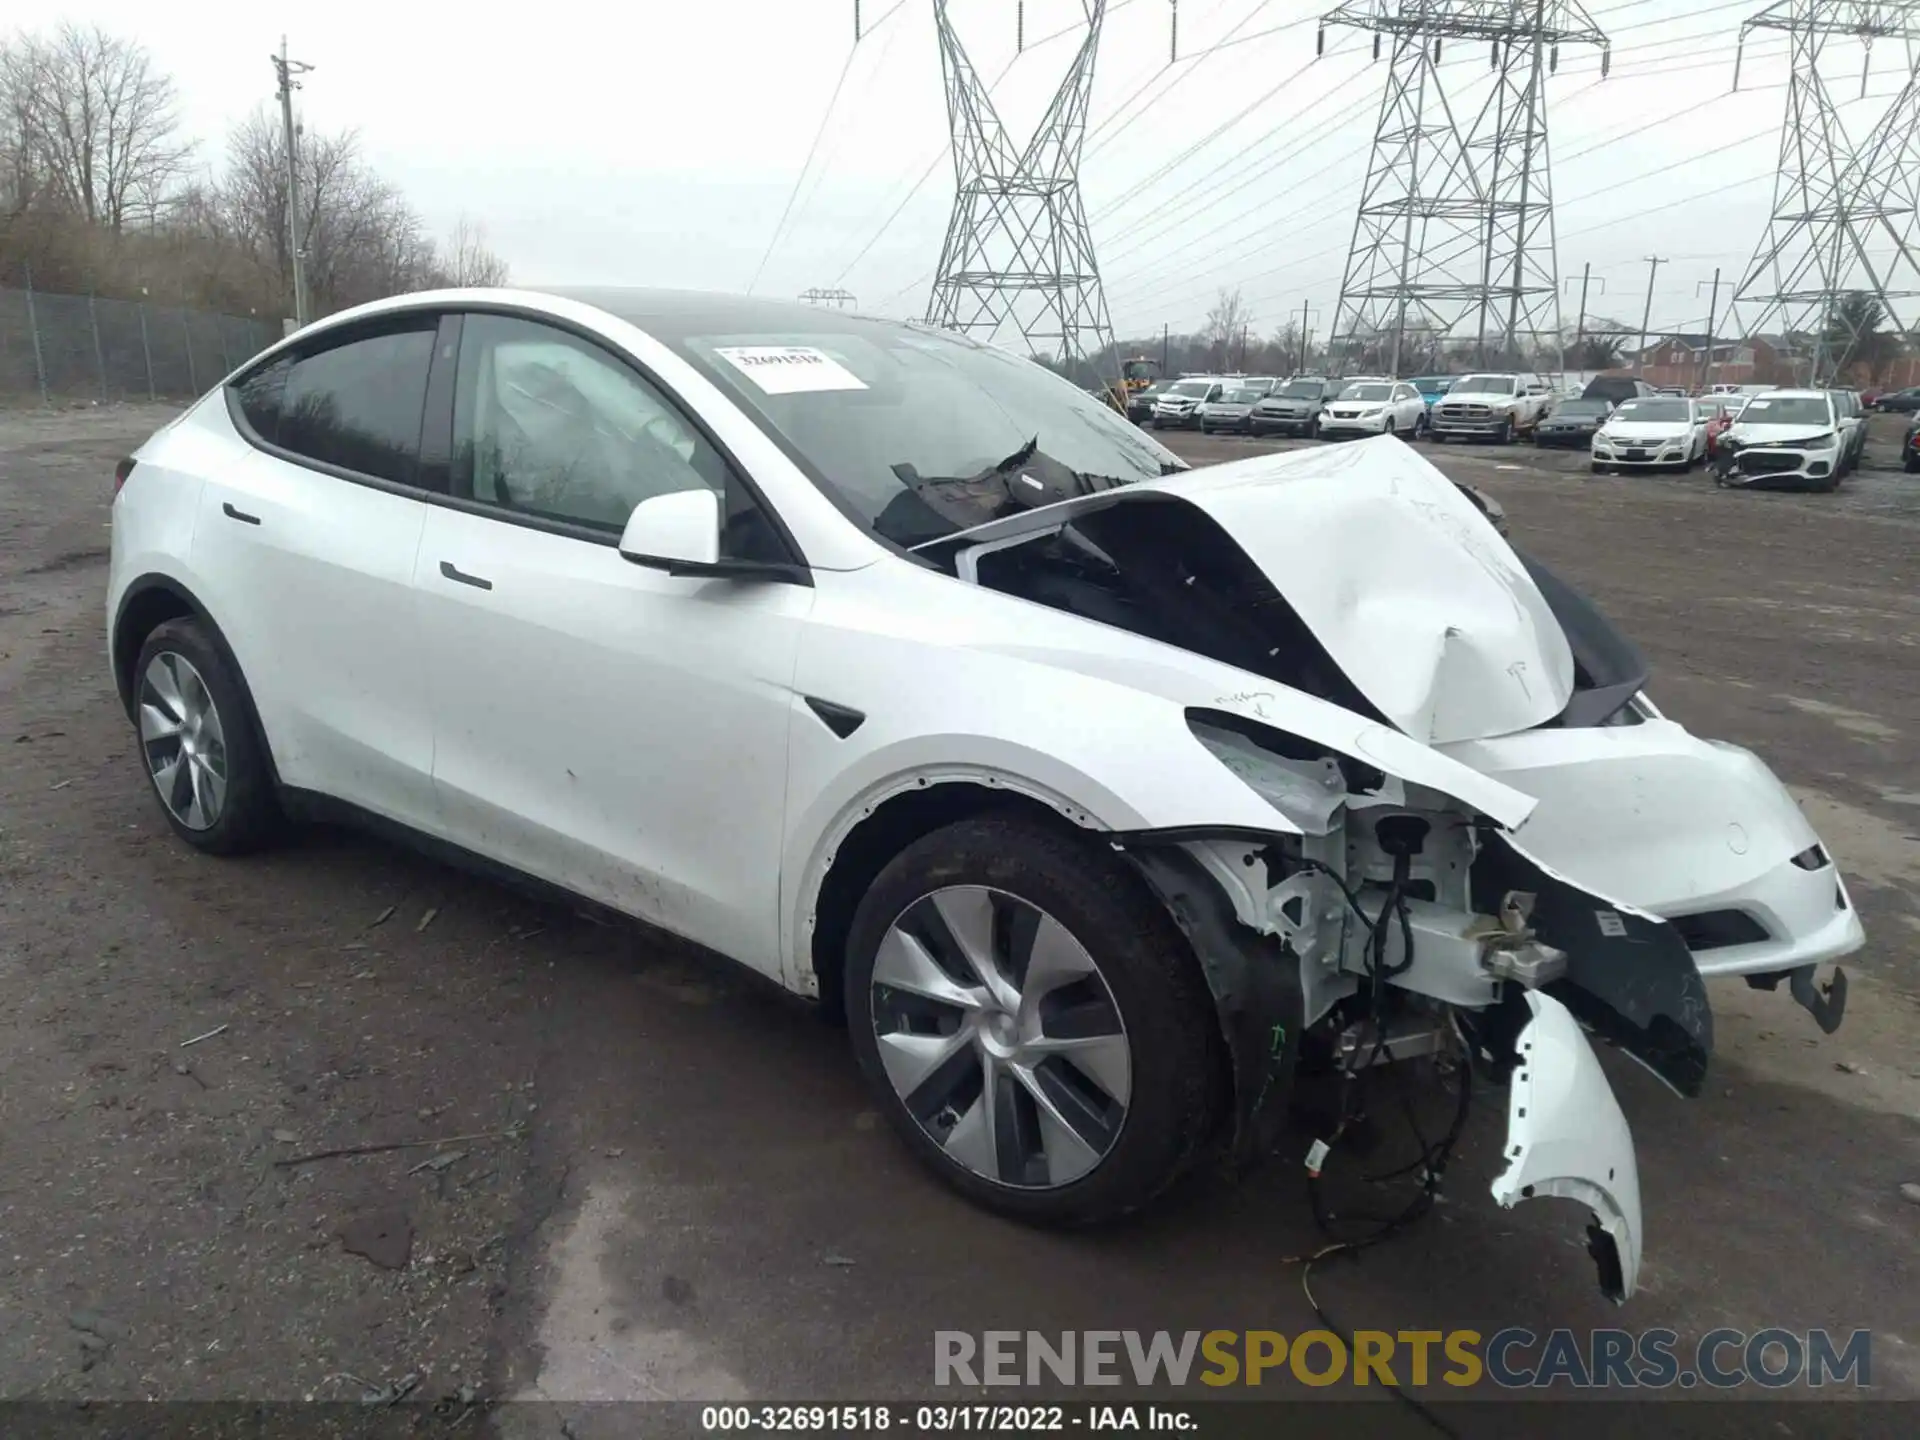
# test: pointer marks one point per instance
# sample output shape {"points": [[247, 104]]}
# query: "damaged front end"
{"points": [[1355, 938], [1485, 841]]}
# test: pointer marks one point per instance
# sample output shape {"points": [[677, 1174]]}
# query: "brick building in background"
{"points": [[1758, 360]]}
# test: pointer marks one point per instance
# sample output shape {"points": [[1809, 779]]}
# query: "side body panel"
{"points": [[310, 576], [959, 682], [613, 729]]}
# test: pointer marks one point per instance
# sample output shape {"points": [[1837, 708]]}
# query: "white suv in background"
{"points": [[1179, 404], [1375, 407], [1784, 440]]}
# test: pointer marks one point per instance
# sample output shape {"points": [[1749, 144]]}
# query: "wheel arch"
{"points": [[145, 605], [881, 827]]}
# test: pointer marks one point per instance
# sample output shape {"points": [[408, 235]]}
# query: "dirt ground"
{"points": [[667, 1183]]}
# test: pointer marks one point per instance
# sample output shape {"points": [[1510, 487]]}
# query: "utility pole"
{"points": [[285, 69], [1654, 262], [1713, 313], [1166, 356], [831, 295], [1306, 332], [1586, 280]]}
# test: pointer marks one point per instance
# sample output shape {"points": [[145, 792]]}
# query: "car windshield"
{"points": [[1245, 394], [1786, 410], [1192, 389], [916, 433], [1367, 392], [1433, 384], [1582, 410], [1485, 385], [1300, 390], [1660, 411]]}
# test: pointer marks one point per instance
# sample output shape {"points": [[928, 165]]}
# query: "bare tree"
{"points": [[1228, 319], [99, 123], [469, 260], [360, 238]]}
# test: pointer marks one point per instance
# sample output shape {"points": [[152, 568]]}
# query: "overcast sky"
{"points": [[657, 143]]}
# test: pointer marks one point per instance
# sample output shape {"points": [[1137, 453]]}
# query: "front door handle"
{"points": [[452, 572], [240, 515]]}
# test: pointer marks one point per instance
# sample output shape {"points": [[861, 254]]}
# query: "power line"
{"points": [[805, 165]]}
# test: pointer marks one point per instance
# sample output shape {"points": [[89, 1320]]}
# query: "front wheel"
{"points": [[1032, 1022], [1504, 435]]}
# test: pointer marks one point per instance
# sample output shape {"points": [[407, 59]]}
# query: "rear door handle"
{"points": [[240, 515], [448, 569]]}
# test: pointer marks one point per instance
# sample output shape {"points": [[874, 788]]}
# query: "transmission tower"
{"points": [[1018, 250], [832, 296], [1453, 241], [1844, 217]]}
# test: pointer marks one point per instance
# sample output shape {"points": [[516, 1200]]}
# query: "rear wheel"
{"points": [[1032, 1023], [199, 742]]}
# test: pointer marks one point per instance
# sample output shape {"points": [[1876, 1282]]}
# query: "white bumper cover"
{"points": [[1566, 1138]]}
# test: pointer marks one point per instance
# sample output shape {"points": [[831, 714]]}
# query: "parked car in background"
{"points": [[1375, 407], [1572, 423], [1431, 387], [1852, 418], [1497, 407], [1233, 411], [1783, 440], [1616, 388], [1654, 432], [1179, 406], [1293, 407], [1140, 402], [1723, 409], [1899, 402]]}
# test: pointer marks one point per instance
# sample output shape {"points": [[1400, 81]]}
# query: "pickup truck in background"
{"points": [[1497, 407]]}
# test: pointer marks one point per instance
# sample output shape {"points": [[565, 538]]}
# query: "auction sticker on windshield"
{"points": [[789, 369]]}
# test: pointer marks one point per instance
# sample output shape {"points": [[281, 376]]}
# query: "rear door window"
{"points": [[357, 403]]}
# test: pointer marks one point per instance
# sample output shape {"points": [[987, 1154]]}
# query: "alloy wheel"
{"points": [[1000, 1036], [182, 739]]}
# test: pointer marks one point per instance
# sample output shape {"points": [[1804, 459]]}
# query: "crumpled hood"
{"points": [[1396, 572], [1776, 434]]}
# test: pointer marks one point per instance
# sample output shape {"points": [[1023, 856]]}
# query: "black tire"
{"points": [[1911, 463], [1386, 426], [1596, 467], [249, 816], [1178, 1086], [1504, 435], [1312, 431]]}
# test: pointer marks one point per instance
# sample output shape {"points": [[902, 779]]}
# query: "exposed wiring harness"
{"points": [[1431, 1161]]}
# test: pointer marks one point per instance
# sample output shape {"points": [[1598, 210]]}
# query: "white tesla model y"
{"points": [[1103, 798]]}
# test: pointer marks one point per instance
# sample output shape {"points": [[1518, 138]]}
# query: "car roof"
{"points": [[1793, 395]]}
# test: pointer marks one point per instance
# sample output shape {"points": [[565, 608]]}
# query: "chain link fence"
{"points": [[77, 347]]}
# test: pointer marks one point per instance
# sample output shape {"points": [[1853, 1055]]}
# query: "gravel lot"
{"points": [[666, 1166]]}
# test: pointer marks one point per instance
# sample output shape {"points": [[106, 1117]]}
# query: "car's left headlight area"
{"points": [[1424, 936]]}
